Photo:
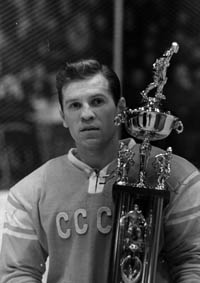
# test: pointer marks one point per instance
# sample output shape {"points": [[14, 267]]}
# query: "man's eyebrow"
{"points": [[71, 100], [98, 94]]}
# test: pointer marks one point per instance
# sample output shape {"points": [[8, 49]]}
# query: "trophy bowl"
{"points": [[152, 124]]}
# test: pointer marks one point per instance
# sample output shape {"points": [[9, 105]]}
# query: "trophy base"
{"points": [[136, 232]]}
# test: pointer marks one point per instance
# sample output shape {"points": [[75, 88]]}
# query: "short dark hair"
{"points": [[84, 69]]}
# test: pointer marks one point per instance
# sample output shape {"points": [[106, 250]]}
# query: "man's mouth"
{"points": [[89, 129]]}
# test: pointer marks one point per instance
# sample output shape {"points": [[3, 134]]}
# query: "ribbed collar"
{"points": [[89, 170]]}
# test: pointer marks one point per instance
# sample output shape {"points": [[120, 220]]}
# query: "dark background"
{"points": [[36, 37]]}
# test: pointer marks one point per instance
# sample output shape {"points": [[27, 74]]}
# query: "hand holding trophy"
{"points": [[139, 206]]}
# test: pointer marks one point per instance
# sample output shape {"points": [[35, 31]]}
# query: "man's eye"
{"points": [[97, 101], [74, 105]]}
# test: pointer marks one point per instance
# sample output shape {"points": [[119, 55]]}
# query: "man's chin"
{"points": [[91, 142], [90, 136]]}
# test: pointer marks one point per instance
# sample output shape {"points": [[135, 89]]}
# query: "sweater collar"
{"points": [[89, 170]]}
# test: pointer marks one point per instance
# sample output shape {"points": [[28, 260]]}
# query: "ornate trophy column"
{"points": [[138, 207]]}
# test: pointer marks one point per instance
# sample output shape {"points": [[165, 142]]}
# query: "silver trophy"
{"points": [[139, 206]]}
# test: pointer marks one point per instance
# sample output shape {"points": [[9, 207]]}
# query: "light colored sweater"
{"points": [[64, 210]]}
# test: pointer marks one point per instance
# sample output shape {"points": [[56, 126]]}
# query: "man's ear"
{"points": [[121, 104], [63, 118]]}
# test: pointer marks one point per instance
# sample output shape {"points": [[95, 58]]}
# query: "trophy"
{"points": [[138, 207]]}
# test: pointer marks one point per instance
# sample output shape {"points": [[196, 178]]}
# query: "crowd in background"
{"points": [[37, 36], [48, 31]]}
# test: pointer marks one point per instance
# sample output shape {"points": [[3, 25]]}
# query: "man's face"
{"points": [[89, 111]]}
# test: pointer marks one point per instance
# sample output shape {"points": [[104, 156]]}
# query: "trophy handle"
{"points": [[178, 126]]}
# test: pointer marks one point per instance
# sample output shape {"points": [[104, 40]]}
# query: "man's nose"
{"points": [[87, 113]]}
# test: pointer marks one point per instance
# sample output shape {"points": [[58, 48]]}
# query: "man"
{"points": [[64, 209]]}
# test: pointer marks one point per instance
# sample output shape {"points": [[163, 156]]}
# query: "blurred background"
{"points": [[36, 37]]}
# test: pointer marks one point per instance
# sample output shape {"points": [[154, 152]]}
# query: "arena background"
{"points": [[36, 37]]}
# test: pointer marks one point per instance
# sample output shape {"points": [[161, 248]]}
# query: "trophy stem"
{"points": [[145, 149]]}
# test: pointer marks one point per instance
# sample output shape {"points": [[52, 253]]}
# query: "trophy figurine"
{"points": [[138, 207]]}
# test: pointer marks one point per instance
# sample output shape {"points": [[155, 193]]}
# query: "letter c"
{"points": [[63, 234], [101, 210], [84, 228]]}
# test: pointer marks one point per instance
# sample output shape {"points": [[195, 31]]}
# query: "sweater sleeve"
{"points": [[22, 257], [182, 226]]}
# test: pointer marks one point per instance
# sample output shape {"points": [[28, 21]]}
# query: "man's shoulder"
{"points": [[177, 162], [181, 169], [36, 179]]}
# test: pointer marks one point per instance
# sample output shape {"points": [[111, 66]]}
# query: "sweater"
{"points": [[64, 210]]}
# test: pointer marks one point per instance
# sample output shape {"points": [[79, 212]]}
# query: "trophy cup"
{"points": [[138, 207]]}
